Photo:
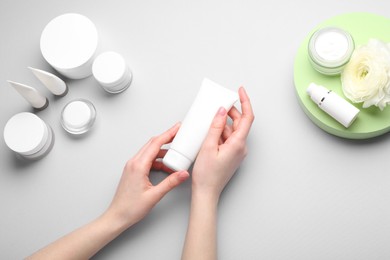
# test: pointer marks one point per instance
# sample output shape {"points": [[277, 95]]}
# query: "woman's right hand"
{"points": [[223, 149]]}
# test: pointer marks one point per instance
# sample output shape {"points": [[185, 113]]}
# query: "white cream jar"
{"points": [[112, 72], [28, 136], [330, 49], [68, 43], [78, 116]]}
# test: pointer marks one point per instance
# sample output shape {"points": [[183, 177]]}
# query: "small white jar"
{"points": [[78, 116], [68, 43], [112, 72], [28, 136], [330, 49]]}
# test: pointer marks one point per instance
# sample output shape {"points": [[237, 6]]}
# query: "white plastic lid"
{"points": [[109, 69], [68, 42], [176, 161], [78, 116], [25, 133]]}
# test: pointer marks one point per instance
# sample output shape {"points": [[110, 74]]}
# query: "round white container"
{"points": [[330, 49], [78, 116], [28, 135], [68, 43], [112, 72]]}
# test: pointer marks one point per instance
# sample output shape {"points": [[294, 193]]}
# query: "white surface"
{"points": [[68, 42], [25, 133], [301, 194]]}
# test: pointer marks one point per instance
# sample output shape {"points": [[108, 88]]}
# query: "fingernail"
{"points": [[222, 111], [183, 175]]}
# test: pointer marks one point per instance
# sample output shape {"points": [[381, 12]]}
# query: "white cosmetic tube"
{"points": [[193, 131]]}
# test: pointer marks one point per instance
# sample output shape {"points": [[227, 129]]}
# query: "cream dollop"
{"points": [[366, 77]]}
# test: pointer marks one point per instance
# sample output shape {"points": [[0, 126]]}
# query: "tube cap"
{"points": [[176, 161]]}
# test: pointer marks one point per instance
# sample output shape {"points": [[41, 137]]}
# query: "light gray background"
{"points": [[300, 194]]}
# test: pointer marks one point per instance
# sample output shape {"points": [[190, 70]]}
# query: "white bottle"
{"points": [[188, 140], [334, 105]]}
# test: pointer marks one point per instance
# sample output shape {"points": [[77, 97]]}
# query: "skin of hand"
{"points": [[134, 199], [136, 195], [221, 154], [223, 149]]}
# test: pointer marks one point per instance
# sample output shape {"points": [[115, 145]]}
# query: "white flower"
{"points": [[366, 77]]}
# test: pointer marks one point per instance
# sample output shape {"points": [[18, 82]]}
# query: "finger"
{"points": [[221, 141], [227, 132], [247, 115], [216, 128], [161, 153], [169, 183], [158, 165], [234, 113], [150, 150]]}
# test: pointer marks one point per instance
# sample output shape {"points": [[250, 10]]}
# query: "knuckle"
{"points": [[129, 165], [155, 141], [252, 118], [132, 166], [171, 182], [241, 148], [245, 151]]}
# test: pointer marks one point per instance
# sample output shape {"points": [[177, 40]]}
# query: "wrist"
{"points": [[115, 222], [205, 196]]}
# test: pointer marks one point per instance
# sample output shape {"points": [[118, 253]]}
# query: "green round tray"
{"points": [[371, 122]]}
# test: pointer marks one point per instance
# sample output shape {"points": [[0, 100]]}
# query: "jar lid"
{"points": [[68, 42], [25, 133], [110, 69], [78, 116]]}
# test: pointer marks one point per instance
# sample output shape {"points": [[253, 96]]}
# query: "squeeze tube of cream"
{"points": [[195, 126]]}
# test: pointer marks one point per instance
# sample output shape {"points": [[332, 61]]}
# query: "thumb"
{"points": [[170, 182], [216, 128]]}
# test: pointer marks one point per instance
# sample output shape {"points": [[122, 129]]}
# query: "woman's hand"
{"points": [[136, 195], [220, 155], [134, 198], [223, 149]]}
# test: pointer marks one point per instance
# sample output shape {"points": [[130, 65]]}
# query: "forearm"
{"points": [[201, 238], [84, 242]]}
